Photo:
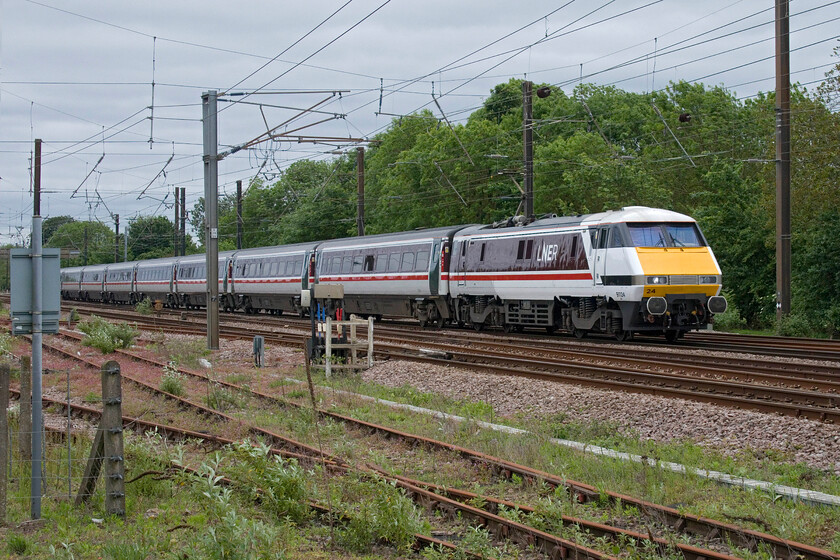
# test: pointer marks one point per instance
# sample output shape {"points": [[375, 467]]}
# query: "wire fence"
{"points": [[66, 448]]}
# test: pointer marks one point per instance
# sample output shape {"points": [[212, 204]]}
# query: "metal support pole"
{"points": [[783, 233], [116, 238], [125, 244], [211, 228], [182, 233], [37, 341], [360, 209], [528, 147], [176, 231], [239, 223]]}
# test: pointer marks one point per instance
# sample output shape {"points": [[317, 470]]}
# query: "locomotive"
{"points": [[633, 270]]}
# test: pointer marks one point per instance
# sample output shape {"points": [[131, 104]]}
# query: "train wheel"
{"points": [[579, 333], [672, 336], [550, 329], [622, 336], [478, 326], [508, 328], [423, 323]]}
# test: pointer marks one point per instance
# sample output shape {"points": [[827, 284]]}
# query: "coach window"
{"points": [[407, 262], [394, 262], [369, 260], [336, 265], [520, 251], [422, 261], [290, 268], [481, 258], [381, 262], [346, 265], [357, 263], [529, 249]]}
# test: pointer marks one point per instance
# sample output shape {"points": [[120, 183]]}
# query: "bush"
{"points": [[382, 512], [106, 336], [17, 544], [731, 320], [280, 483], [6, 343], [797, 324], [144, 307], [172, 381], [221, 399]]}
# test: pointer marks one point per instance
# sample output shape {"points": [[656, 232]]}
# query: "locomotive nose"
{"points": [[717, 304]]}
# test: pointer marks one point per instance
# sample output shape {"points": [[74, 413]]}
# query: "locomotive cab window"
{"points": [[615, 239], [665, 235]]}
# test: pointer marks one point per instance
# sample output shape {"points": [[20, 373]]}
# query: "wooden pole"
{"points": [[112, 434], [5, 371], [25, 424]]}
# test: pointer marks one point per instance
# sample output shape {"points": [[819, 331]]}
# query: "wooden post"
{"points": [[328, 353], [108, 446], [112, 435], [5, 371], [94, 465], [370, 342], [25, 424]]}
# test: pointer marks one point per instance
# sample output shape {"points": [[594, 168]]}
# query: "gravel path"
{"points": [[649, 417]]}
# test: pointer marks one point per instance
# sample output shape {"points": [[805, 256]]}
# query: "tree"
{"points": [[151, 237], [50, 225], [93, 240]]}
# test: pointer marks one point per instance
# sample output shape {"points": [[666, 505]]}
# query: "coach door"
{"points": [[434, 270], [599, 249], [462, 263]]}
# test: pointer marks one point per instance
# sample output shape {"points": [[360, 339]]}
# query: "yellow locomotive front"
{"points": [[654, 272]]}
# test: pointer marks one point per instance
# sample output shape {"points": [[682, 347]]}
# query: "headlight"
{"points": [[708, 279], [657, 279]]}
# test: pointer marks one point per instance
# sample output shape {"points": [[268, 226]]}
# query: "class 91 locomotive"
{"points": [[634, 270]]}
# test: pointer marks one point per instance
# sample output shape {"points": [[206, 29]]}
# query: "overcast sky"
{"points": [[73, 73]]}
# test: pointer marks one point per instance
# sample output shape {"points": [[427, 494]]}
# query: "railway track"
{"points": [[802, 391], [457, 502]]}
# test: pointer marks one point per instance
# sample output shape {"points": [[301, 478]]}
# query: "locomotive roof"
{"points": [[626, 214], [406, 236]]}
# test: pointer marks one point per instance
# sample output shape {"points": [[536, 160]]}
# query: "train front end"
{"points": [[674, 274]]}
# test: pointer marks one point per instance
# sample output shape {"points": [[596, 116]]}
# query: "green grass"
{"points": [[757, 510]]}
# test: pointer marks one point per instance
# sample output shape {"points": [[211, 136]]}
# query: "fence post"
{"points": [[25, 423], [370, 342], [112, 434], [5, 370], [328, 349]]}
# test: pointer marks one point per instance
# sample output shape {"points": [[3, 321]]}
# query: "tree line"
{"points": [[692, 148]]}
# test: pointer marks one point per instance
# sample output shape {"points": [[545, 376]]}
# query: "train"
{"points": [[620, 272]]}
